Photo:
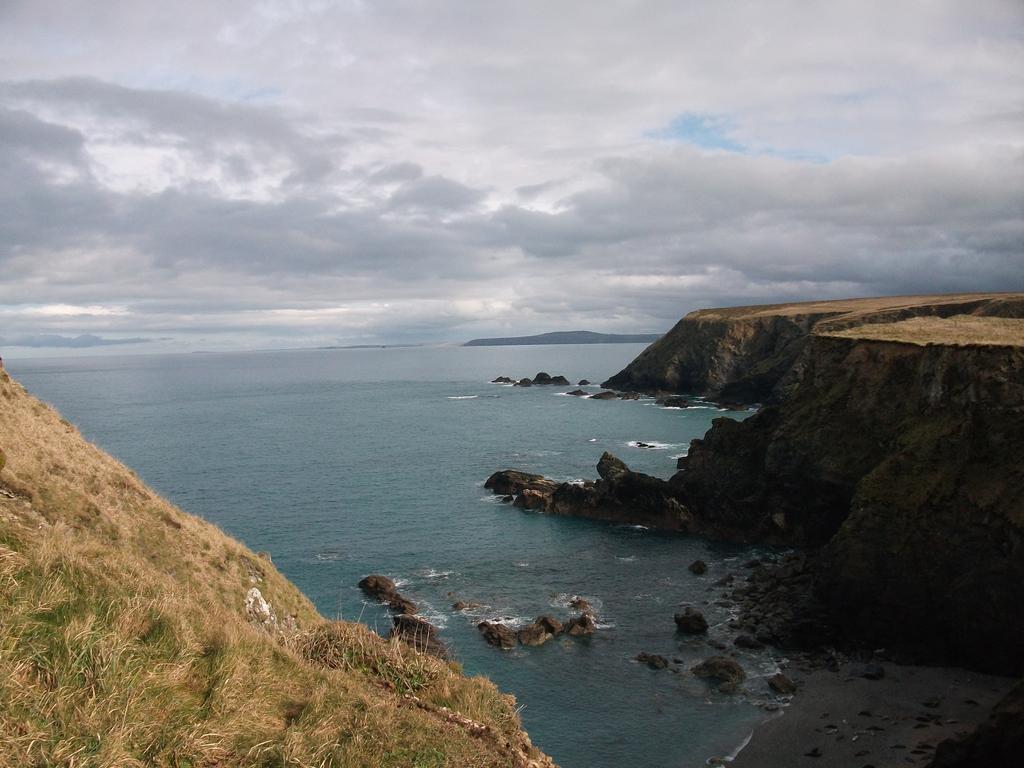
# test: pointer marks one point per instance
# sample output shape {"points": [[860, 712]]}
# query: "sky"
{"points": [[248, 175]]}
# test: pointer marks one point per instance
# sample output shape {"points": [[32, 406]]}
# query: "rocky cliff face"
{"points": [[741, 353], [904, 462]]}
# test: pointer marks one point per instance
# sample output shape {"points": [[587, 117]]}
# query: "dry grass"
{"points": [[847, 306], [959, 330], [124, 639]]}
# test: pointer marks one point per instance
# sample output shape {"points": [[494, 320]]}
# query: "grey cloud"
{"points": [[436, 193], [396, 172]]}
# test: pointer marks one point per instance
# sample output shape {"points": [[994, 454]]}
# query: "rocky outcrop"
{"points": [[691, 622], [620, 495]]}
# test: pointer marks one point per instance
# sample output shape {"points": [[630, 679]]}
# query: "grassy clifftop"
{"points": [[133, 634]]}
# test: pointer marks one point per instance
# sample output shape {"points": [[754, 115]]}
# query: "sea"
{"points": [[347, 462]]}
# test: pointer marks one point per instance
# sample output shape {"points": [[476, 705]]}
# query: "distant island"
{"points": [[568, 337]]}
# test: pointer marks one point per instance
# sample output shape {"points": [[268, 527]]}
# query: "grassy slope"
{"points": [[959, 330], [124, 638]]}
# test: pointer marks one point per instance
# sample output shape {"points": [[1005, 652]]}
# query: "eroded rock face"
{"points": [[383, 589], [533, 634], [583, 624]]}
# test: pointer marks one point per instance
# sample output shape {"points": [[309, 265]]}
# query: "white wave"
{"points": [[330, 556], [462, 397], [626, 558], [428, 612], [521, 564], [651, 445], [634, 527], [400, 582], [598, 624], [511, 621], [430, 573], [592, 440], [494, 498], [680, 455]]}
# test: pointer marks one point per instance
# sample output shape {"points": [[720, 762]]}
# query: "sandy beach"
{"points": [[844, 720]]}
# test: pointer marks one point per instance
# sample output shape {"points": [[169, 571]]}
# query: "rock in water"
{"points": [[376, 585], [533, 634], [543, 378], [551, 625], [723, 670], [606, 395], [560, 381], [698, 567], [524, 382], [583, 383], [691, 621], [497, 634], [580, 604], [581, 625]]}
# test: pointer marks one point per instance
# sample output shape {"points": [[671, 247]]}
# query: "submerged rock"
{"points": [[606, 395], [652, 660], [629, 396], [748, 642], [577, 393], [673, 401], [583, 383], [698, 567]]}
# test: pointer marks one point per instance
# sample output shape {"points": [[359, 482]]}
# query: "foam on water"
{"points": [[462, 397]]}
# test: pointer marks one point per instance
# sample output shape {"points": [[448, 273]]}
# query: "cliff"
{"points": [[132, 633], [741, 353], [903, 462]]}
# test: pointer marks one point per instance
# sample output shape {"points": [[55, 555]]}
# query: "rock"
{"points": [[580, 625], [723, 670], [399, 604], [560, 381], [583, 383], [462, 605], [577, 393], [610, 467], [550, 624], [258, 610], [512, 482], [629, 396], [497, 634], [533, 634], [782, 684], [377, 586], [579, 604], [642, 444], [503, 380], [698, 567], [383, 589], [420, 634], [691, 622], [543, 379], [606, 395], [748, 642], [524, 382], [673, 402], [531, 499]]}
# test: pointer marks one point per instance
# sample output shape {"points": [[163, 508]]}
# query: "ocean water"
{"points": [[343, 463]]}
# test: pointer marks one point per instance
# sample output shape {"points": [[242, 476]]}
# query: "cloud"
{"points": [[47, 340], [310, 173]]}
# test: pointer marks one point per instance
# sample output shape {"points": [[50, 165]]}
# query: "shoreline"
{"points": [[839, 719]]}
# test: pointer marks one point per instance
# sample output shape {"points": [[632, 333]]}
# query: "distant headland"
{"points": [[567, 337]]}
